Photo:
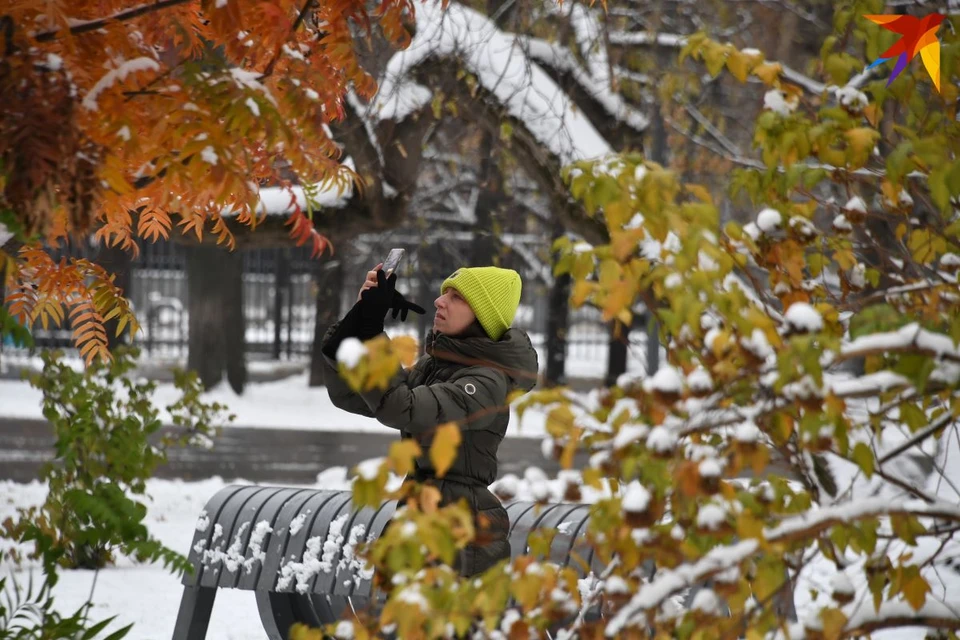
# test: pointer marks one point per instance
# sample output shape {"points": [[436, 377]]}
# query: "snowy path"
{"points": [[260, 455]]}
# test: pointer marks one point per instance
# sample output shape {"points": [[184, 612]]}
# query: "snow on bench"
{"points": [[296, 550]]}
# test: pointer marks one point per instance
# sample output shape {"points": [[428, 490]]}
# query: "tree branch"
{"points": [[79, 27], [919, 436]]}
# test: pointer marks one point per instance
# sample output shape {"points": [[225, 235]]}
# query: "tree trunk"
{"points": [[483, 249], [658, 153], [328, 278], [558, 316], [117, 262], [558, 322], [217, 326]]}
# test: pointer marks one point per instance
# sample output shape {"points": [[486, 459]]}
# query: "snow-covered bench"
{"points": [[294, 548]]}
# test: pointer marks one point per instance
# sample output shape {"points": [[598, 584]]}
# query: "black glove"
{"points": [[401, 306], [375, 302], [349, 327]]}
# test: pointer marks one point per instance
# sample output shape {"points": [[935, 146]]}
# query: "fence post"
{"points": [[281, 276]]}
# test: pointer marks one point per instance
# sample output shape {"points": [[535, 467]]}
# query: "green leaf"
{"points": [[97, 628], [939, 190], [912, 416], [863, 456]]}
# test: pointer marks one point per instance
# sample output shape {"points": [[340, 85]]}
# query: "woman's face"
{"points": [[454, 315]]}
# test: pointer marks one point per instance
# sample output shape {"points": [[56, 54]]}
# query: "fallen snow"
{"points": [[209, 155], [499, 63], [776, 101], [281, 404], [801, 316], [666, 380], [120, 73], [856, 203], [636, 498], [662, 439], [769, 220], [699, 380], [840, 223]]}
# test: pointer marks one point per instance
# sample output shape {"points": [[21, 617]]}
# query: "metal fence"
{"points": [[279, 305]]}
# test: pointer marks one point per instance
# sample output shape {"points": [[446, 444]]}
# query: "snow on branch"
{"points": [[669, 582], [559, 58], [864, 620], [645, 38], [807, 524], [911, 337], [501, 66]]}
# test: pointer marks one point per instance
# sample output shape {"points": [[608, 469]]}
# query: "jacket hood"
{"points": [[513, 354]]}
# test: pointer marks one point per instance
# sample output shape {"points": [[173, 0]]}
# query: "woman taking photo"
{"points": [[473, 360]]}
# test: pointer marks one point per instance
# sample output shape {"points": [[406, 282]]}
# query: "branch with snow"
{"points": [[498, 61], [722, 558], [909, 338]]}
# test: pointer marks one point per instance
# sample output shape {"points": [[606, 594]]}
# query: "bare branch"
{"points": [[78, 27]]}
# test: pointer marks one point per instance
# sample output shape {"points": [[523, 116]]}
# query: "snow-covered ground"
{"points": [[289, 403], [284, 404]]}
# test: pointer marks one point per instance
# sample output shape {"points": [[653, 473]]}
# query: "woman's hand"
{"points": [[370, 282]]}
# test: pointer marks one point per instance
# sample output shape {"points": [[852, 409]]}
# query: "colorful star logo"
{"points": [[919, 36]]}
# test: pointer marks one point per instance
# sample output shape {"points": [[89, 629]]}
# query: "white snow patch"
{"points": [[209, 155], [856, 203], [841, 584], [662, 440], [202, 522], [769, 220], [801, 316], [706, 601], [498, 61], [112, 76], [630, 434], [700, 381], [350, 352], [666, 380], [841, 223], [253, 106], [747, 432], [757, 344], [636, 498], [370, 469], [711, 516], [297, 524], [710, 468], [852, 97], [776, 101]]}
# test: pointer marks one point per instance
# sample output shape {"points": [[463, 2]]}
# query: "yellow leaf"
{"points": [[768, 72], [700, 192], [739, 65], [402, 455], [559, 421], [861, 142], [429, 499], [407, 348], [443, 450], [915, 590], [833, 622]]}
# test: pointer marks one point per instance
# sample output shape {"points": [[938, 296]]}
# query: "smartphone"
{"points": [[392, 261]]}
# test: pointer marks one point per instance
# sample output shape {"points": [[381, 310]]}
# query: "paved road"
{"points": [[261, 455]]}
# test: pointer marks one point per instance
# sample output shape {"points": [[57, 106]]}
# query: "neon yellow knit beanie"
{"points": [[493, 294]]}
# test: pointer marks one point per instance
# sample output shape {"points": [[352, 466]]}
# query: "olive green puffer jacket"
{"points": [[464, 380]]}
